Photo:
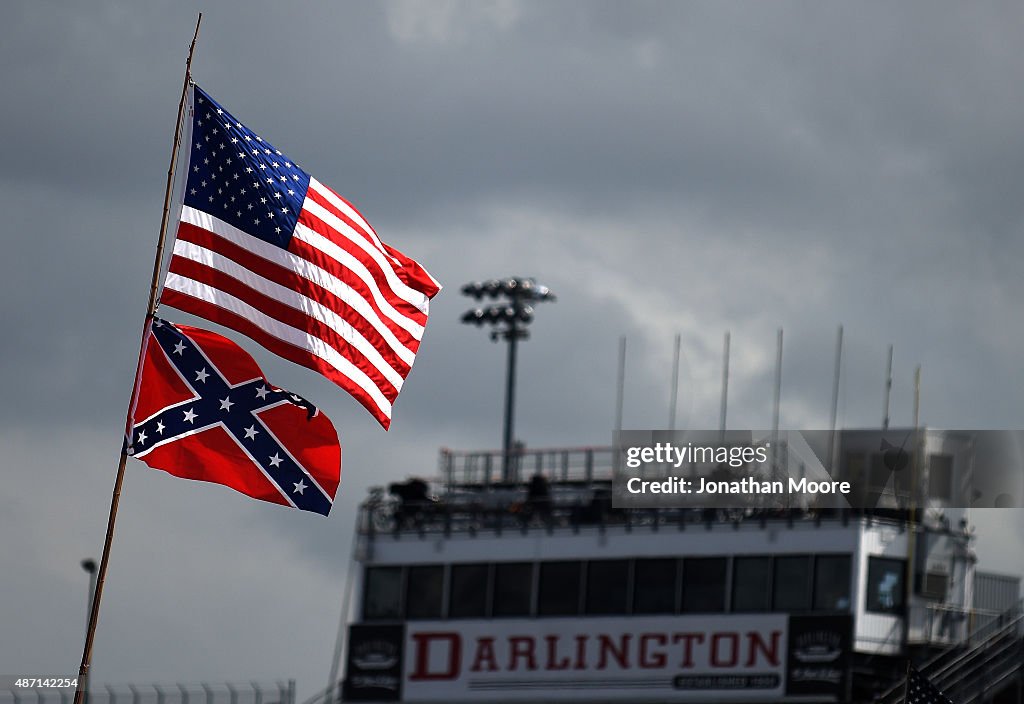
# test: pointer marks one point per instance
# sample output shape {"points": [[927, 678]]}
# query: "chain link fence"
{"points": [[39, 691]]}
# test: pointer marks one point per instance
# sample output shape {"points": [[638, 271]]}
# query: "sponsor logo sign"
{"points": [[818, 661], [675, 658]]}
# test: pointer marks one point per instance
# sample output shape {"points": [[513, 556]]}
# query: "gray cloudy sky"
{"points": [[664, 167]]}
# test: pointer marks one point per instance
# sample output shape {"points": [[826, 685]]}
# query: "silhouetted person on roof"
{"points": [[538, 497], [414, 500]]}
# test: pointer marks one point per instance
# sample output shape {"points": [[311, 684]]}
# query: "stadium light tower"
{"points": [[511, 312], [89, 565]]}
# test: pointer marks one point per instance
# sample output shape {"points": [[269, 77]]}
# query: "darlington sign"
{"points": [[678, 658]]}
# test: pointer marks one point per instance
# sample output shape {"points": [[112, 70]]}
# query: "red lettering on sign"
{"points": [[521, 647], [437, 655], [688, 639], [732, 642], [648, 659], [581, 653], [620, 653], [485, 656], [422, 646]]}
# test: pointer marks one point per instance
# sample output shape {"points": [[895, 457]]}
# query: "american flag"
{"points": [[267, 250], [921, 691]]}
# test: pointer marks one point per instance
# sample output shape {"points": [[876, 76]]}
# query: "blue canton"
{"points": [[236, 408], [240, 178]]}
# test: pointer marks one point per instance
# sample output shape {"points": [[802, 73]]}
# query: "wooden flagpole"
{"points": [[674, 395], [83, 672], [725, 388]]}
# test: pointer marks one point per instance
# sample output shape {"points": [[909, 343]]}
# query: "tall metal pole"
{"points": [[777, 391], [915, 465], [888, 391], [620, 388], [917, 396], [725, 387], [776, 403], [94, 612], [675, 384], [620, 384], [835, 402], [511, 318], [512, 334]]}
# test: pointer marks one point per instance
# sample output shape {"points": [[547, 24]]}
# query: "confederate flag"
{"points": [[204, 410]]}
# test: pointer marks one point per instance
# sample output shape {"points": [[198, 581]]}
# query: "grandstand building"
{"points": [[472, 589]]}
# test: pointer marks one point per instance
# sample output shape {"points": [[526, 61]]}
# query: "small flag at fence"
{"points": [[267, 250]]}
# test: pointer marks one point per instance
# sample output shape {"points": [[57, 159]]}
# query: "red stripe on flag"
{"points": [[228, 319], [322, 200], [414, 275], [409, 270], [401, 308], [325, 261]]}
